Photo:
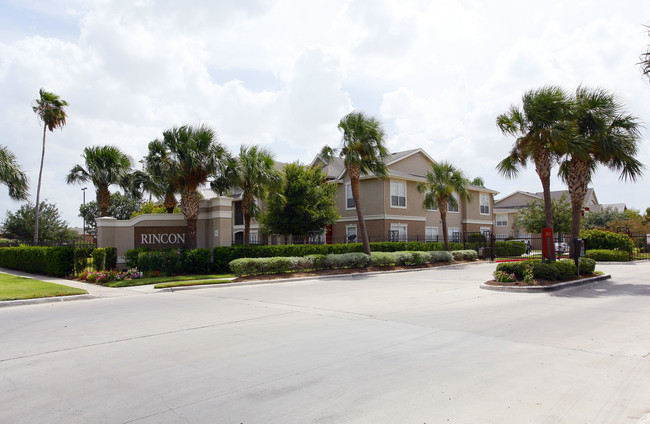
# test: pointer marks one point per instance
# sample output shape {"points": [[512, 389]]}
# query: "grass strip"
{"points": [[189, 283], [173, 278], [13, 288]]}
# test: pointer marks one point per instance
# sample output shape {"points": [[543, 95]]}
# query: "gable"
{"points": [[414, 164], [516, 200]]}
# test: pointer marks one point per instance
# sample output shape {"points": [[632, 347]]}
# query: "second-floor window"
{"points": [[484, 200], [502, 220], [349, 201], [398, 194], [455, 208]]}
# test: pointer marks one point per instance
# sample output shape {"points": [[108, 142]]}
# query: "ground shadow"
{"points": [[604, 289]]}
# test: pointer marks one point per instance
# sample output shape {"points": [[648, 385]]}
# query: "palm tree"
{"points": [[49, 109], [105, 165], [443, 180], [363, 152], [605, 136], [12, 175], [192, 155], [541, 133], [155, 176], [255, 174], [645, 61]]}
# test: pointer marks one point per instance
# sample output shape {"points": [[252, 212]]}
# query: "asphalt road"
{"points": [[410, 347]]}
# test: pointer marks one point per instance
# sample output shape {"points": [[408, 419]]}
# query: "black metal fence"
{"points": [[641, 251]]}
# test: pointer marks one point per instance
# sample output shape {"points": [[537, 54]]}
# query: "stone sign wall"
{"points": [[159, 237]]}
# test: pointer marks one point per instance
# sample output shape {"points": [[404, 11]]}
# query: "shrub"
{"points": [[544, 271], [168, 262], [607, 255], [510, 248], [504, 277], [566, 269], [464, 255], [440, 256], [599, 239], [197, 261], [110, 258], [317, 261], [587, 266], [99, 256], [131, 256], [81, 255], [346, 260], [382, 258], [517, 268]]}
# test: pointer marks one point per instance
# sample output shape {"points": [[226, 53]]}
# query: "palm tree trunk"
{"points": [[38, 189], [578, 182], [170, 202], [443, 218], [245, 205], [354, 174], [190, 207], [103, 199], [543, 169]]}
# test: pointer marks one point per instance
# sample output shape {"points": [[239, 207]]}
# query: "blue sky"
{"points": [[282, 73]]}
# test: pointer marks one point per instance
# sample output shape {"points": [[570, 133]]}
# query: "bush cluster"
{"points": [[223, 255], [103, 277], [606, 255], [510, 248], [599, 239], [559, 270], [464, 255], [50, 260], [281, 264], [81, 255]]}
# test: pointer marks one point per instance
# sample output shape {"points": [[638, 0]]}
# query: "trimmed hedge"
{"points": [[587, 266], [465, 255], [167, 261], [110, 258], [510, 248], [599, 239], [223, 255], [607, 255], [51, 260], [81, 255], [99, 257], [559, 270]]}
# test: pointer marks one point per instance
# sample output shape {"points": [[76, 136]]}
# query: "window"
{"points": [[484, 200], [349, 201], [454, 234], [434, 208], [502, 220], [351, 233], [398, 194], [430, 234], [398, 232], [252, 237], [485, 231], [451, 208]]}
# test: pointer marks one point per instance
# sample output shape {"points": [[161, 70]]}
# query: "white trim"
{"points": [[476, 221], [109, 221], [241, 227], [215, 215], [347, 208], [384, 216]]}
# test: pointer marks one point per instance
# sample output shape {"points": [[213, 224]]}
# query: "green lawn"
{"points": [[190, 283], [174, 278], [13, 288]]}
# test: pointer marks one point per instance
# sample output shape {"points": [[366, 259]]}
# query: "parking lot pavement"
{"points": [[425, 346]]}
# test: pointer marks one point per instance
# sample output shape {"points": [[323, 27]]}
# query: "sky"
{"points": [[283, 73]]}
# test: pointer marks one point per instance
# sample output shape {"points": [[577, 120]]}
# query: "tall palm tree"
{"points": [[363, 152], [12, 175], [605, 136], [50, 109], [105, 165], [155, 176], [255, 174], [443, 180], [541, 132], [192, 155]]}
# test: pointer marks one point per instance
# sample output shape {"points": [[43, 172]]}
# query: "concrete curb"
{"points": [[289, 279], [38, 300], [554, 287]]}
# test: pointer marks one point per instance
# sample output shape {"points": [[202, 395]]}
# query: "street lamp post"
{"points": [[84, 216]]}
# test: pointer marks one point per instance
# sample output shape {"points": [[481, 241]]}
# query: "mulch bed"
{"points": [[537, 282], [343, 271]]}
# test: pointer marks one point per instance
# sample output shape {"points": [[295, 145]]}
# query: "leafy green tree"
{"points": [[604, 135], [443, 180], [541, 134], [151, 207], [533, 218], [12, 175], [478, 181], [105, 165], [601, 219], [255, 174], [192, 155], [50, 109], [307, 203], [121, 206], [20, 224], [363, 152]]}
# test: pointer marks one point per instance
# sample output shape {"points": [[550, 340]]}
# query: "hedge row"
{"points": [[50, 260], [599, 239], [510, 248], [560, 270], [196, 261], [607, 255], [282, 264]]}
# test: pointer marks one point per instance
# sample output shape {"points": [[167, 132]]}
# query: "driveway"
{"points": [[423, 346]]}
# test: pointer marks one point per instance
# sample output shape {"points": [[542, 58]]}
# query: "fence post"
{"points": [[492, 247]]}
